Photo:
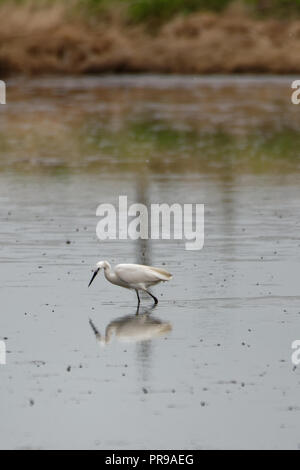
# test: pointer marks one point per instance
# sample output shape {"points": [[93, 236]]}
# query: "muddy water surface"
{"points": [[210, 366]]}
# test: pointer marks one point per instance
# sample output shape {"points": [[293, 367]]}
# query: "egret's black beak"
{"points": [[93, 277]]}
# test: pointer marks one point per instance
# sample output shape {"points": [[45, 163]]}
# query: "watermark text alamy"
{"points": [[156, 221]]}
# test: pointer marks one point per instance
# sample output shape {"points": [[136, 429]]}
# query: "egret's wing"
{"points": [[161, 273], [137, 273]]}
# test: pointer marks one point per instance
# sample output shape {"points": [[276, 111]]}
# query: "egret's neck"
{"points": [[109, 273], [106, 265]]}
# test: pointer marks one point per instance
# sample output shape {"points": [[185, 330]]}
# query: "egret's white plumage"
{"points": [[133, 276]]}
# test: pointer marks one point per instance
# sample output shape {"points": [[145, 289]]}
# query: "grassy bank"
{"points": [[165, 36], [163, 10]]}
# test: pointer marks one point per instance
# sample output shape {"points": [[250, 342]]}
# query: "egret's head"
{"points": [[102, 264], [101, 340], [99, 265]]}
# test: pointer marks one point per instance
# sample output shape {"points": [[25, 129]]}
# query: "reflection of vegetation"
{"points": [[152, 146], [161, 136]]}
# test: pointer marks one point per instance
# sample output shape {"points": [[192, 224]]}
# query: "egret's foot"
{"points": [[153, 297], [137, 309]]}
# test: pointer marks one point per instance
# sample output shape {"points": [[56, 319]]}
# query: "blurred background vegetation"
{"points": [[158, 123], [144, 10], [149, 36], [163, 10]]}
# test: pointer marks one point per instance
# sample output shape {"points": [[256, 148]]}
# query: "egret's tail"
{"points": [[162, 273]]}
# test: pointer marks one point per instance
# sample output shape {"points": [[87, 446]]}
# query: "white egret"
{"points": [[133, 276]]}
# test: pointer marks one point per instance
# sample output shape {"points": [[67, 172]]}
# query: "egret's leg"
{"points": [[153, 297], [139, 300]]}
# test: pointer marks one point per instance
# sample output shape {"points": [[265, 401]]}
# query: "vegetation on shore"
{"points": [[164, 10], [164, 36]]}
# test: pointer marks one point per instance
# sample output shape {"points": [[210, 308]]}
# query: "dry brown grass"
{"points": [[48, 39]]}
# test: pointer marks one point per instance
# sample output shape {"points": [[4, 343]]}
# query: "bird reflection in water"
{"points": [[133, 328]]}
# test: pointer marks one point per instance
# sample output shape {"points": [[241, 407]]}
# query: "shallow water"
{"points": [[210, 366]]}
